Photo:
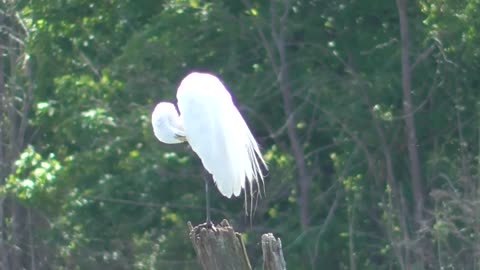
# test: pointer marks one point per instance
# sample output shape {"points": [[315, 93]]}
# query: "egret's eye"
{"points": [[180, 137]]}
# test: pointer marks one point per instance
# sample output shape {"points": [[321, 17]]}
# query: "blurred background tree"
{"points": [[85, 185]]}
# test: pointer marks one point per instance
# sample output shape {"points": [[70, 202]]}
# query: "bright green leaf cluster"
{"points": [[35, 177]]}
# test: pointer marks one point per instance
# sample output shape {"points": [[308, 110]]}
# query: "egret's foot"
{"points": [[207, 225]]}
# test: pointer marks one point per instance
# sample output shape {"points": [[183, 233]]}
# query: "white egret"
{"points": [[215, 130]]}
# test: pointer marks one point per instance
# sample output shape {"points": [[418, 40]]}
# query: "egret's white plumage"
{"points": [[167, 124], [214, 128]]}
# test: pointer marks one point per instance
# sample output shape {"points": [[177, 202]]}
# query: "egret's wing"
{"points": [[217, 133]]}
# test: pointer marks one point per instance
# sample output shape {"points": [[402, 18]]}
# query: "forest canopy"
{"points": [[367, 112]]}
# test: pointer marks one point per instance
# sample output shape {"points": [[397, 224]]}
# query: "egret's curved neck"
{"points": [[167, 124]]}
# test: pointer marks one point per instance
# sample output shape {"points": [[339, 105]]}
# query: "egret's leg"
{"points": [[207, 201], [206, 178]]}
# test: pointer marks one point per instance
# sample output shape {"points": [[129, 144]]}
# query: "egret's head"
{"points": [[166, 124]]}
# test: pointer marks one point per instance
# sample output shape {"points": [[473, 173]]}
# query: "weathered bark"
{"points": [[272, 253], [3, 161], [2, 107], [414, 161], [221, 248], [17, 233], [15, 102], [424, 248]]}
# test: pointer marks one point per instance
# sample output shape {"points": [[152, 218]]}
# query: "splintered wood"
{"points": [[221, 248]]}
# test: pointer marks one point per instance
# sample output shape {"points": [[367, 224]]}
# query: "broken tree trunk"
{"points": [[221, 248], [272, 253]]}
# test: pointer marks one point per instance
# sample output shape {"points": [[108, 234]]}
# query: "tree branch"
{"points": [[415, 170]]}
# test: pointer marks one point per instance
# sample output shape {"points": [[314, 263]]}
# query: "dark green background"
{"points": [[85, 184]]}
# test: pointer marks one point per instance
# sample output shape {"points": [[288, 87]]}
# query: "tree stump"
{"points": [[221, 248], [272, 253]]}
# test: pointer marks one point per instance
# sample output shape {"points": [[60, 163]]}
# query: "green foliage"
{"points": [[110, 196], [35, 180]]}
